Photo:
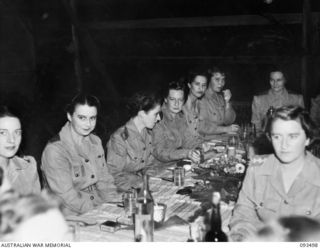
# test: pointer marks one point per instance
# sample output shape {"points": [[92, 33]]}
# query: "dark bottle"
{"points": [[143, 218], [215, 234], [270, 111], [267, 119]]}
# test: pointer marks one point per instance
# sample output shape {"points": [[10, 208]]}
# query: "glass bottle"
{"points": [[270, 111], [143, 218], [232, 145], [215, 234]]}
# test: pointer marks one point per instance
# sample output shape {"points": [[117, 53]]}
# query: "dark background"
{"points": [[50, 50]]}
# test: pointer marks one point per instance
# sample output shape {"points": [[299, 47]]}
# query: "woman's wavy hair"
{"points": [[83, 99], [143, 101], [212, 71], [176, 85], [292, 112]]}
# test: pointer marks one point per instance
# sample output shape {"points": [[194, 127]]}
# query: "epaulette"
{"points": [[124, 134], [54, 139], [258, 160]]}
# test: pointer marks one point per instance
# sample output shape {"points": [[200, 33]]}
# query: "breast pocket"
{"points": [[267, 209], [100, 160], [77, 173]]}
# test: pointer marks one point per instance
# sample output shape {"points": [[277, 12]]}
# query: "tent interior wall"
{"points": [[52, 49]]}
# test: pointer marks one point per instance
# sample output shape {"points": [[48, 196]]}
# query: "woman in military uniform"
{"points": [[216, 108], [283, 183], [275, 97], [173, 140], [130, 147], [74, 163], [197, 85], [19, 173]]}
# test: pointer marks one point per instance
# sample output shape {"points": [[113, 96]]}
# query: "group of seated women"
{"points": [[74, 164], [81, 174]]}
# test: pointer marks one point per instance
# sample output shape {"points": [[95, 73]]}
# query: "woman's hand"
{"points": [[227, 95], [194, 156], [206, 146], [233, 128]]}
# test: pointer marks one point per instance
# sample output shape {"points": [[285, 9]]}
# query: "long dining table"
{"points": [[180, 222]]}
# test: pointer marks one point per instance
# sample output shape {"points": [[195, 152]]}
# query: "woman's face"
{"points": [[277, 81], [83, 120], [151, 117], [198, 86], [175, 100], [289, 140], [217, 82], [10, 136]]}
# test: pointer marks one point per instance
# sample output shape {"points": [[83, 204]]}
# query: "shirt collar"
{"points": [[310, 172], [167, 115]]}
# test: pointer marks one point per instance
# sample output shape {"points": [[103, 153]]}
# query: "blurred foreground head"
{"points": [[289, 229], [31, 218]]}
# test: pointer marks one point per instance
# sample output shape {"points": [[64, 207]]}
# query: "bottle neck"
{"points": [[216, 218], [145, 192]]}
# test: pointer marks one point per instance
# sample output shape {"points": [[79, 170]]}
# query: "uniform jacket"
{"points": [[213, 108], [22, 175], [77, 175], [172, 138], [129, 153], [263, 197], [261, 104]]}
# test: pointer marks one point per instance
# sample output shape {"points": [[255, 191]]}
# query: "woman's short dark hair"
{"points": [[143, 101], [292, 112], [5, 111], [212, 71], [197, 72], [175, 85], [83, 99]]}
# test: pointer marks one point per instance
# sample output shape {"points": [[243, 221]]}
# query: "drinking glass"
{"points": [[129, 202], [233, 142], [178, 176]]}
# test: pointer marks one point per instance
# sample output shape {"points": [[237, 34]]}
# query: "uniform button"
{"points": [[308, 212], [144, 148], [91, 197], [142, 161], [86, 160], [76, 175], [261, 204], [286, 202], [92, 176]]}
